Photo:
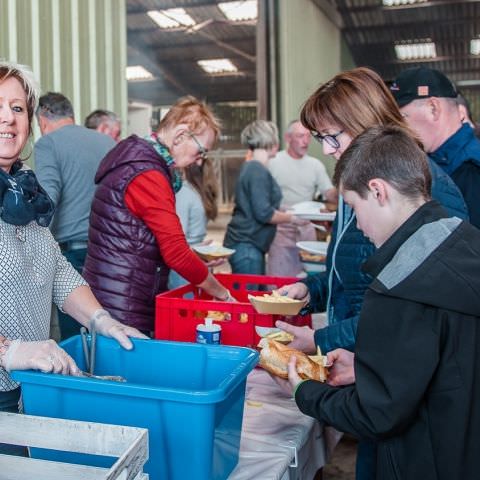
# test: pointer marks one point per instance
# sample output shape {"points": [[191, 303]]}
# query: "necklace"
{"points": [[164, 152]]}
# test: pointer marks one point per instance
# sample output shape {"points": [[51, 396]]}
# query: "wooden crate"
{"points": [[129, 444]]}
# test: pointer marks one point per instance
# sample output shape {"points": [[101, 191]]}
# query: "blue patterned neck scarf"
{"points": [[22, 199], [163, 151]]}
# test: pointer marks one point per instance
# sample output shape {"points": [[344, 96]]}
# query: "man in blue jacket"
{"points": [[428, 102]]}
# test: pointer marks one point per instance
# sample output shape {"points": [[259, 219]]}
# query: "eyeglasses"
{"points": [[202, 151], [330, 139]]}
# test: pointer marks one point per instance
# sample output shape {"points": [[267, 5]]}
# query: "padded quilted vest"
{"points": [[123, 266]]}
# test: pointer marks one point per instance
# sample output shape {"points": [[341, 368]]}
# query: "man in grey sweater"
{"points": [[66, 160]]}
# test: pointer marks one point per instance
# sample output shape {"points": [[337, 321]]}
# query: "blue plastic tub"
{"points": [[189, 396]]}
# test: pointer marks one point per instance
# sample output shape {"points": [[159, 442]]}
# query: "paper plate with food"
{"points": [[311, 210], [274, 358], [212, 252], [276, 304], [274, 334], [313, 255]]}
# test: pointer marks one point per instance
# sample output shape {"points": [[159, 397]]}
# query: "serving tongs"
{"points": [[89, 348], [89, 352]]}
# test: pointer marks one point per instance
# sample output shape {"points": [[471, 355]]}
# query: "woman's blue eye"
{"points": [[17, 109]]}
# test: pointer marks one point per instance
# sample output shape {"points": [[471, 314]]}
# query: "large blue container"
{"points": [[189, 396]]}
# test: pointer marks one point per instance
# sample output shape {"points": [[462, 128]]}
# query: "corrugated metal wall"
{"points": [[77, 47]]}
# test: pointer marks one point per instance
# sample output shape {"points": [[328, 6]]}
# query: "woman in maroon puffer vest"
{"points": [[135, 236]]}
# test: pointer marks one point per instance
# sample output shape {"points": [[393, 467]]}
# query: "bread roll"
{"points": [[274, 358]]}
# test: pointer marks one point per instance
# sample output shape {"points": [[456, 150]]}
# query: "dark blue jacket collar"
{"points": [[460, 147]]}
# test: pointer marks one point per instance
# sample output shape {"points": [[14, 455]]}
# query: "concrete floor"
{"points": [[342, 464]]}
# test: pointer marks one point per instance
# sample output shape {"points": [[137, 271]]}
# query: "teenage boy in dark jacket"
{"points": [[417, 352]]}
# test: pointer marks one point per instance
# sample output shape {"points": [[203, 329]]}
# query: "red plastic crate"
{"points": [[179, 311]]}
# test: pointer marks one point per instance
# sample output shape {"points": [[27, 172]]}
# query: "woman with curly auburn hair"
{"points": [[135, 236]]}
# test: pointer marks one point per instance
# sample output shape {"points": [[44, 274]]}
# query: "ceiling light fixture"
{"points": [[475, 46], [239, 11], [416, 51], [398, 3], [218, 66], [171, 18], [137, 72]]}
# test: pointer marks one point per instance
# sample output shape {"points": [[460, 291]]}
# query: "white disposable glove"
{"points": [[46, 356], [105, 325]]}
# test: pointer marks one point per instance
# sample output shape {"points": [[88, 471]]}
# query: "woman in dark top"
{"points": [[257, 202]]}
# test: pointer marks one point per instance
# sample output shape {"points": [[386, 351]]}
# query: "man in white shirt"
{"points": [[301, 178]]}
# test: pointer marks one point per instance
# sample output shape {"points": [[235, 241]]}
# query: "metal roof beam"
{"points": [[154, 66], [409, 26], [344, 9], [330, 11], [230, 23], [163, 5], [443, 58], [180, 46]]}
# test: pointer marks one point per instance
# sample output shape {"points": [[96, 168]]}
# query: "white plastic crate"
{"points": [[129, 444]]}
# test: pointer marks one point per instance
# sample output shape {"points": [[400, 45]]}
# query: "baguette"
{"points": [[274, 358]]}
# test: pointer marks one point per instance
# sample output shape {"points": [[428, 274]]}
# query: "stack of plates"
{"points": [[311, 211]]}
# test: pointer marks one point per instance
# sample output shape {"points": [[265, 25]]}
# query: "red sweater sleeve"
{"points": [[150, 198]]}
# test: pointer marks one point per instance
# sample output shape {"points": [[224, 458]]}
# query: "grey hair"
{"points": [[24, 75], [54, 106], [291, 123], [97, 117], [260, 134]]}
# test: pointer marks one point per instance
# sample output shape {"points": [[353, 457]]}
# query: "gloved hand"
{"points": [[105, 325], [46, 356]]}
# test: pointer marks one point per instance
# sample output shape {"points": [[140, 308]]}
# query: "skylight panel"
{"points": [[137, 72], [218, 66], [475, 46], [399, 3], [171, 18], [416, 51], [239, 11]]}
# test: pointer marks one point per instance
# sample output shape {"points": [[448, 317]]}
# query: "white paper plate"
{"points": [[308, 207], [311, 211], [318, 217], [214, 250], [317, 248], [264, 331], [314, 267]]}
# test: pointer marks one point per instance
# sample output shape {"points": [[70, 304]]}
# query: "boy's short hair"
{"points": [[389, 153]]}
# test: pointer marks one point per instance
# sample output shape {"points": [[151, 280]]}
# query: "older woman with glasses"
{"points": [[135, 235], [339, 111]]}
